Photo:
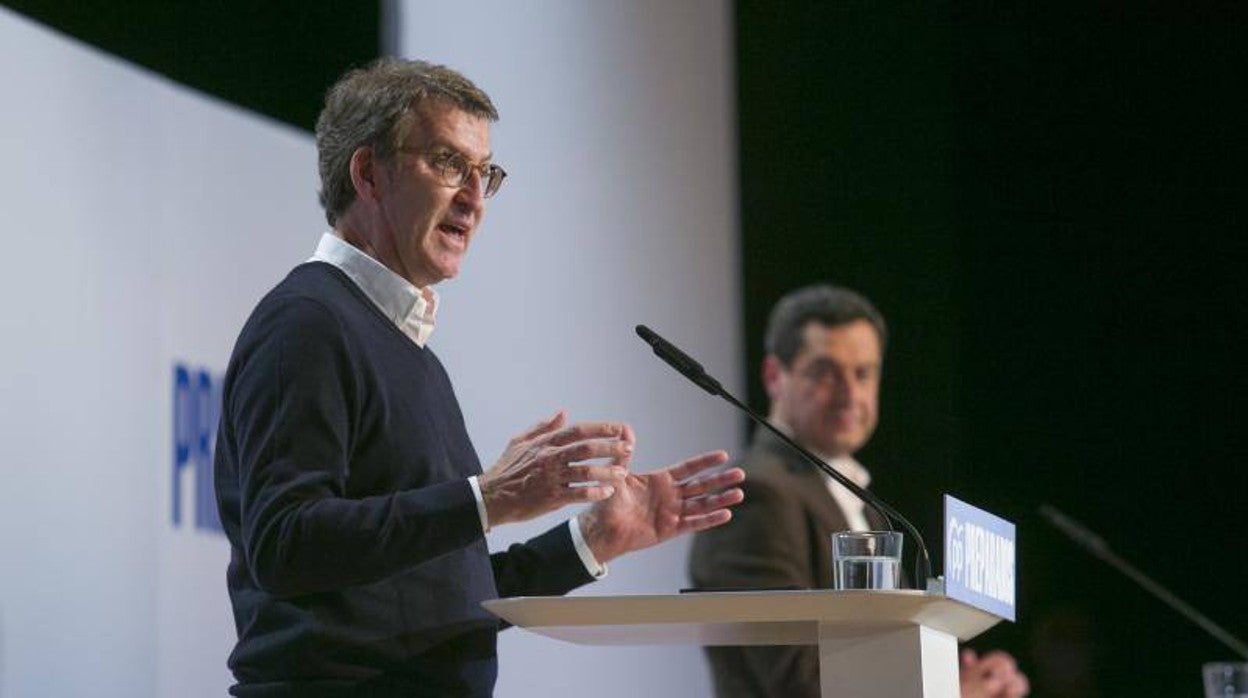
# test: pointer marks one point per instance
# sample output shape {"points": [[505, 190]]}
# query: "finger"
{"points": [[1009, 681], [588, 493], [543, 427], [586, 450], [630, 438], [582, 431], [712, 483], [997, 673], [711, 502], [701, 522], [997, 661], [692, 466], [990, 685], [575, 474]]}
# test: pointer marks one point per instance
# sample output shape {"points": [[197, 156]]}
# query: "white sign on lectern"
{"points": [[979, 558]]}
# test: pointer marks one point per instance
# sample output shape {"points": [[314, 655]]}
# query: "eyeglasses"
{"points": [[455, 170]]}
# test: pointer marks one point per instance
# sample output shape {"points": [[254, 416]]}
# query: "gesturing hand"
{"points": [[650, 508], [539, 470]]}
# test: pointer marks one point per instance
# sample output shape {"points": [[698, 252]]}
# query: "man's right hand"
{"points": [[994, 675], [540, 469]]}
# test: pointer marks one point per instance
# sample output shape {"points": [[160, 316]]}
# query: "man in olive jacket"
{"points": [[824, 355]]}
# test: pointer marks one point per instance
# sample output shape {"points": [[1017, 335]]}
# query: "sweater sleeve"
{"points": [[290, 403], [547, 565]]}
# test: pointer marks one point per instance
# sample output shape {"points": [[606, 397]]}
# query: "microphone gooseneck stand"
{"points": [[691, 369]]}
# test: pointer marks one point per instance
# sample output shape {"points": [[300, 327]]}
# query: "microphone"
{"points": [[1097, 546], [679, 360], [687, 367]]}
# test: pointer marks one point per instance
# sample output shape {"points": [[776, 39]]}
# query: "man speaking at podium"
{"points": [[353, 500], [824, 356]]}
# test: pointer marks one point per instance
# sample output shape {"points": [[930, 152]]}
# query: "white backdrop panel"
{"points": [[143, 222]]}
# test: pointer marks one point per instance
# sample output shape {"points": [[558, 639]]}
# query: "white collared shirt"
{"points": [[413, 310], [410, 308], [850, 505]]}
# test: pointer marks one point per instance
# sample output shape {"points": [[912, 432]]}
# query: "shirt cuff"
{"points": [[476, 493], [592, 566]]}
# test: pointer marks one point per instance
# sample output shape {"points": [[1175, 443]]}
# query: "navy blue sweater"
{"points": [[358, 564]]}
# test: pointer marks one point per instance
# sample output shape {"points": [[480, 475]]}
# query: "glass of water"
{"points": [[866, 560], [1226, 680]]}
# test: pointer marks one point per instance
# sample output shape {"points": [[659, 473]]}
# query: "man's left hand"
{"points": [[650, 508]]}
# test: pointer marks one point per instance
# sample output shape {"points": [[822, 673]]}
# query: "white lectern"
{"points": [[872, 644]]}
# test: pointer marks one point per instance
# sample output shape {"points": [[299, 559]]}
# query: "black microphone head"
{"points": [[679, 360], [647, 334]]}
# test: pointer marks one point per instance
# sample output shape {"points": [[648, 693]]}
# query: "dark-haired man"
{"points": [[824, 355], [353, 500]]}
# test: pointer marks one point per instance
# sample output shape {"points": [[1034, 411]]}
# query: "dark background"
{"points": [[1048, 205], [275, 57]]}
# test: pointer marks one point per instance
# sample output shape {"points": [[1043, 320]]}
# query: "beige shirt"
{"points": [[851, 506]]}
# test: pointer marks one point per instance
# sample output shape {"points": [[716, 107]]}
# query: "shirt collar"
{"points": [[845, 465], [850, 468], [410, 308]]}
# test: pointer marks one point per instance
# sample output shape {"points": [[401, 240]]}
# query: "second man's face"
{"points": [[829, 396], [428, 225]]}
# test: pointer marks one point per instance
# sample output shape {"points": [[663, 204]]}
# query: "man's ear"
{"points": [[365, 170], [773, 375]]}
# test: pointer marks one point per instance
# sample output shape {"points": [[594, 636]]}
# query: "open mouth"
{"points": [[458, 232]]}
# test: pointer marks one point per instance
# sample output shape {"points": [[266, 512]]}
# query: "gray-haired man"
{"points": [[352, 498]]}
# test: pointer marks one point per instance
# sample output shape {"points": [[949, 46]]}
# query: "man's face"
{"points": [[829, 396], [424, 225]]}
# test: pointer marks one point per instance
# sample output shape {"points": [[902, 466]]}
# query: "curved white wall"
{"points": [[142, 222]]}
